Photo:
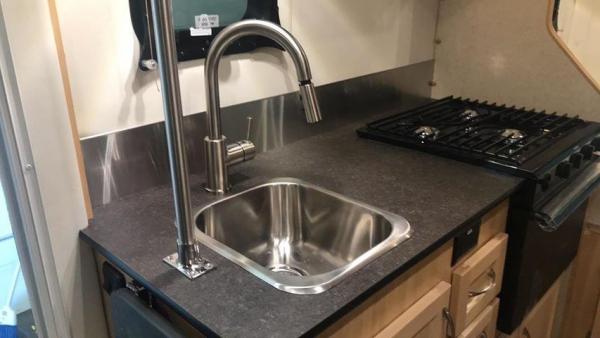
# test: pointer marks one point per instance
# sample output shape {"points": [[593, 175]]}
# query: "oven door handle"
{"points": [[558, 209]]}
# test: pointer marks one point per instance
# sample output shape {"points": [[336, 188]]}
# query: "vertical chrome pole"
{"points": [[187, 259]]}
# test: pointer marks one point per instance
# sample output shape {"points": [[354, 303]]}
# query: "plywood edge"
{"points": [[563, 46], [70, 106]]}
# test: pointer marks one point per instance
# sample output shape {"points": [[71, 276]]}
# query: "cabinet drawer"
{"points": [[484, 326], [424, 318], [477, 281]]}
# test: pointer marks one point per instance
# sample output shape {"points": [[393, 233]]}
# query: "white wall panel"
{"points": [[40, 86], [343, 39]]}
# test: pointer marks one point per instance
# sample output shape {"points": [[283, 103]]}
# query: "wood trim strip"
{"points": [[563, 46], [596, 328], [70, 106]]}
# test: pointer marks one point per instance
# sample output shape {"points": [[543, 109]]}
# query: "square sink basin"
{"points": [[298, 237]]}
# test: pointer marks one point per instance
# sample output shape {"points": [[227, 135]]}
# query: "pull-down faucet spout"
{"points": [[218, 155]]}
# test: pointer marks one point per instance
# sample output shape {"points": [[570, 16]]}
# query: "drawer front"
{"points": [[484, 325], [477, 281], [424, 318]]}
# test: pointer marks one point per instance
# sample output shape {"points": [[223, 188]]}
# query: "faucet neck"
{"points": [[218, 155], [218, 47]]}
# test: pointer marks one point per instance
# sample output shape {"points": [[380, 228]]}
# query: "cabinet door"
{"points": [[584, 286], [538, 323], [424, 319]]}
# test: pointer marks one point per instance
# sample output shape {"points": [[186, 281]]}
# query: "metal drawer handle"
{"points": [[492, 276], [450, 328]]}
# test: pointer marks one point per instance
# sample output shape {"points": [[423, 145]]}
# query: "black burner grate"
{"points": [[481, 130]]}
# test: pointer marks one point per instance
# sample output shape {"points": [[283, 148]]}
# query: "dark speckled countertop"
{"points": [[438, 196]]}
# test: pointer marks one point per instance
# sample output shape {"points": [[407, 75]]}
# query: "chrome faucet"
{"points": [[187, 259], [219, 156]]}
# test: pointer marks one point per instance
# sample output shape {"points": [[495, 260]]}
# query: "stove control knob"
{"points": [[545, 182], [563, 170], [576, 160], [596, 142], [588, 152]]}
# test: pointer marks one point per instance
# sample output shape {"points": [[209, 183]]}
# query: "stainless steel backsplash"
{"points": [[133, 160]]}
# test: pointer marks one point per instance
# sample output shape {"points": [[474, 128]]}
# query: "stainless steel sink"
{"points": [[298, 237]]}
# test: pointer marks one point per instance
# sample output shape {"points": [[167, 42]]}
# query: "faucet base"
{"points": [[216, 165], [198, 268]]}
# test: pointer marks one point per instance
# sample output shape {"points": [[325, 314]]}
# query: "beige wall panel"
{"points": [[579, 29], [502, 51]]}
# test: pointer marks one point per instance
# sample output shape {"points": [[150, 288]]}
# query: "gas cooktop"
{"points": [[510, 139]]}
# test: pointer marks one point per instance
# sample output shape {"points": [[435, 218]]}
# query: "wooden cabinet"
{"points": [[477, 281], [394, 300], [583, 295], [424, 319], [596, 327], [484, 325], [414, 304], [539, 322]]}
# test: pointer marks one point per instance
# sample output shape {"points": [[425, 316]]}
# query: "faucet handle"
{"points": [[244, 150], [249, 119]]}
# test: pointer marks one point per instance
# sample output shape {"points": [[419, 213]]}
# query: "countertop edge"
{"points": [[155, 291]]}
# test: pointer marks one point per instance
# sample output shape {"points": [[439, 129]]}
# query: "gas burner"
{"points": [[426, 132], [508, 137], [469, 114], [513, 135]]}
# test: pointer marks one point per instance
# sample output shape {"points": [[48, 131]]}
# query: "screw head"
{"points": [[149, 64]]}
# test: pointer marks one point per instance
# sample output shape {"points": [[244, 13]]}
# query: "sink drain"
{"points": [[288, 270]]}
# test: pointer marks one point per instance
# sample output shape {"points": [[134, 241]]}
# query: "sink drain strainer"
{"points": [[288, 270]]}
